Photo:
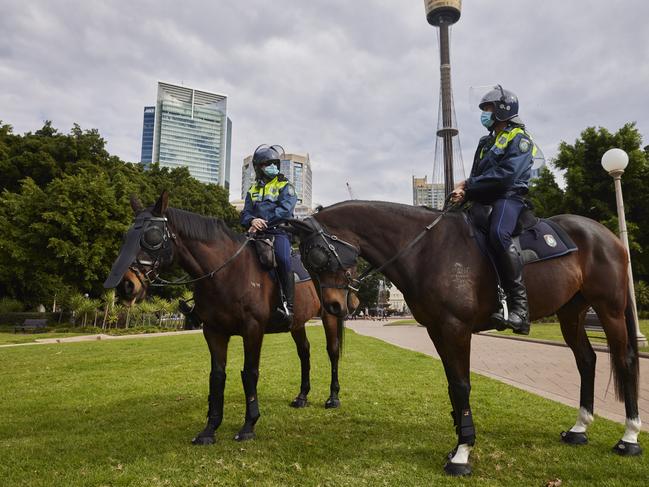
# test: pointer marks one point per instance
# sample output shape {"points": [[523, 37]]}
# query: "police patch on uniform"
{"points": [[291, 190], [550, 240], [524, 145]]}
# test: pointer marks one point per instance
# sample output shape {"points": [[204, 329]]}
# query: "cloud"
{"points": [[355, 84]]}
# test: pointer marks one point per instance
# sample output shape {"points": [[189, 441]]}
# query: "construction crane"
{"points": [[349, 190]]}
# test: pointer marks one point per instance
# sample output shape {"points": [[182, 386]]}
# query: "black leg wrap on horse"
{"points": [[249, 379], [215, 400], [462, 417], [465, 429]]}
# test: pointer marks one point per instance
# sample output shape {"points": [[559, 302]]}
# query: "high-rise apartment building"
{"points": [[191, 128], [148, 126], [297, 169], [427, 194]]}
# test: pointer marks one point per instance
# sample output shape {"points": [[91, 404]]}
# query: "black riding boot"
{"points": [[288, 297], [511, 273]]}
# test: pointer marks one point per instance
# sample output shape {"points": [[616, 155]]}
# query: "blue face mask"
{"points": [[487, 119], [271, 170]]}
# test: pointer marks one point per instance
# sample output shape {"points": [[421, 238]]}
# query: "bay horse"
{"points": [[450, 287], [233, 295]]}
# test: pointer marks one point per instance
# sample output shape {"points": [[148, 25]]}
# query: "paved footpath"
{"points": [[547, 370]]}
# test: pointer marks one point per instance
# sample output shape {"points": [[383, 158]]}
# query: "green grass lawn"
{"points": [[124, 412], [552, 331]]}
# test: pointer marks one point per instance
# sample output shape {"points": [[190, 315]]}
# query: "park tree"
{"points": [[590, 192], [64, 206], [546, 195]]}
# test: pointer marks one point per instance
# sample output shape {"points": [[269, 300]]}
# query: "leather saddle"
{"points": [[479, 215]]}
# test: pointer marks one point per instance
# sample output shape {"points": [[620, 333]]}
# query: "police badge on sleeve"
{"points": [[524, 145]]}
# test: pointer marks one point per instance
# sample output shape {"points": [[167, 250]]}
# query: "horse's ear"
{"points": [[136, 204], [162, 204], [298, 227]]}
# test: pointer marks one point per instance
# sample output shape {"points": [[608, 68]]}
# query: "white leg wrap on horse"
{"points": [[632, 429], [462, 454], [583, 421]]}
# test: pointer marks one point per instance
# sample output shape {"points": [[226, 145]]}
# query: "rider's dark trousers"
{"points": [[503, 222], [283, 255]]}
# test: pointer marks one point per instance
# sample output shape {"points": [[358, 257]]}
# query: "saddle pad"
{"points": [[543, 241]]}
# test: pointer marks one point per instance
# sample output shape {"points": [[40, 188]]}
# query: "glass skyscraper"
{"points": [[147, 135], [191, 128]]}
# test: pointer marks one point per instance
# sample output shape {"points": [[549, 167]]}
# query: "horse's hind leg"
{"points": [[333, 330], [619, 326], [303, 351], [571, 316]]}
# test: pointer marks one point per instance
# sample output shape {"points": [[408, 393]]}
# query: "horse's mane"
{"points": [[198, 227], [399, 209]]}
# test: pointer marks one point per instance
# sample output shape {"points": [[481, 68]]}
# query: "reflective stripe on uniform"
{"points": [[505, 137], [269, 192]]}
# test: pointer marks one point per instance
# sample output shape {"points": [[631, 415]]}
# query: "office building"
{"points": [[192, 129], [427, 194], [148, 126]]}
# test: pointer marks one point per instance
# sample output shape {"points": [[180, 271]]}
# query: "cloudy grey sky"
{"points": [[353, 82]]}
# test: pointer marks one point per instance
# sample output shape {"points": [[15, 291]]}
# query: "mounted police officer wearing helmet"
{"points": [[270, 200], [500, 177]]}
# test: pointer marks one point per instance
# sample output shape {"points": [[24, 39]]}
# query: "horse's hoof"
{"points": [[332, 403], [203, 440], [457, 469], [573, 438], [245, 436], [299, 402], [627, 449]]}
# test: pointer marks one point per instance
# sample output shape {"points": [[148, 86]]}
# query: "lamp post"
{"points": [[614, 161]]}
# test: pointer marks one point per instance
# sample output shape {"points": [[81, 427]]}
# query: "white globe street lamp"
{"points": [[614, 161]]}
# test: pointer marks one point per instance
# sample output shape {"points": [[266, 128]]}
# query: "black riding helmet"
{"points": [[505, 105], [265, 154]]}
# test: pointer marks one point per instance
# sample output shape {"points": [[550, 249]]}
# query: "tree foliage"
{"points": [[64, 206], [589, 190]]}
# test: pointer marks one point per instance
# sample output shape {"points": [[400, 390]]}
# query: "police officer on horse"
{"points": [[270, 200], [500, 177]]}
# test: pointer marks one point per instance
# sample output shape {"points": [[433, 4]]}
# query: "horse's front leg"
{"points": [[303, 351], [218, 345], [333, 334], [249, 376], [453, 343]]}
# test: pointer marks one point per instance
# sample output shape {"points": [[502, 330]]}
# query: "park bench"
{"points": [[33, 325]]}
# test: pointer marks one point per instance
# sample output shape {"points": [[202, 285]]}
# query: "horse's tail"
{"points": [[626, 370], [340, 330]]}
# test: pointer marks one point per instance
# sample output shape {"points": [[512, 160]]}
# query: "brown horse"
{"points": [[451, 289], [233, 296]]}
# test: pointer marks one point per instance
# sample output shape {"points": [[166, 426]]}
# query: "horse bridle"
{"points": [[158, 246], [323, 251]]}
